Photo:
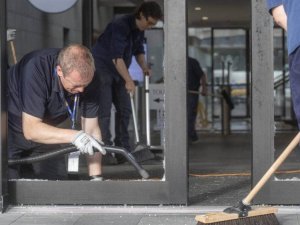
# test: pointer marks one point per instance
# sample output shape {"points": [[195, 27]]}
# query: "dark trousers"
{"points": [[192, 104], [112, 91], [51, 169], [294, 68]]}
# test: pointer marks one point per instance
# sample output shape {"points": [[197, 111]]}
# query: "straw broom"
{"points": [[243, 214]]}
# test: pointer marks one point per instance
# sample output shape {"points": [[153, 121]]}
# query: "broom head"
{"points": [[142, 153], [256, 216]]}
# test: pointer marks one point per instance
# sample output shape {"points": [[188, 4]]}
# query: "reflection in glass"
{"points": [[222, 54], [285, 122]]}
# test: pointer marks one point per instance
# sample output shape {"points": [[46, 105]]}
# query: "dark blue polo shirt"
{"points": [[291, 8], [33, 88], [120, 39], [195, 73]]}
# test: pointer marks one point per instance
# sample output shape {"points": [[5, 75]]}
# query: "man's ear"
{"points": [[59, 71]]}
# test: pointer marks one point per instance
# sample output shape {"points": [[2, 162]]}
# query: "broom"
{"points": [[224, 95], [141, 152], [243, 214]]}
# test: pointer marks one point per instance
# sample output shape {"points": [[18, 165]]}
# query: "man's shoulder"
{"points": [[41, 53], [273, 3], [126, 21]]}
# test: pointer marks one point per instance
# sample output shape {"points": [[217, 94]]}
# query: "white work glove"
{"points": [[85, 144]]}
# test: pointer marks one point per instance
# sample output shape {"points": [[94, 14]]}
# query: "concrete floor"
{"points": [[219, 176], [129, 215]]}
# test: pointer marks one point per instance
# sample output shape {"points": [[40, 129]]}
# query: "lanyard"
{"points": [[72, 113]]}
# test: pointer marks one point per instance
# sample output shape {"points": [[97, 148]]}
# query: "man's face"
{"points": [[145, 23], [73, 82]]}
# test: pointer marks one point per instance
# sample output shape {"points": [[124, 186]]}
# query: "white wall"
{"points": [[36, 29]]}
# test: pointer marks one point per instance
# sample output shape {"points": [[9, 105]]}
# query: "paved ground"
{"points": [[128, 215], [217, 179]]}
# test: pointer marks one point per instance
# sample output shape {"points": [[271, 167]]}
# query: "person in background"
{"points": [[44, 89], [195, 78], [285, 14], [122, 39]]}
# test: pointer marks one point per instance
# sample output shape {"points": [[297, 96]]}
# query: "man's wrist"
{"points": [[77, 135]]}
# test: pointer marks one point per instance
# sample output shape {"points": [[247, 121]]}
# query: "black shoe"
{"points": [[96, 178], [194, 140]]}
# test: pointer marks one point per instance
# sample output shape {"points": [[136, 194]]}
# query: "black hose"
{"points": [[68, 149], [43, 156]]}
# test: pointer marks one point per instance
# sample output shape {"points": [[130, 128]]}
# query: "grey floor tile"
{"points": [[6, 219], [46, 219], [168, 220], [288, 219], [92, 219]]}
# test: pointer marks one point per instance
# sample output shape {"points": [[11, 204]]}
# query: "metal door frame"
{"points": [[3, 119], [174, 188]]}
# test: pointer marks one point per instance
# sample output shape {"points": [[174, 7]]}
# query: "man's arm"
{"points": [[123, 71], [91, 126], [280, 17], [203, 82], [36, 130], [141, 60]]}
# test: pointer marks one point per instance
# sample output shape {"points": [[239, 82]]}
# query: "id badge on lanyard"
{"points": [[73, 158]]}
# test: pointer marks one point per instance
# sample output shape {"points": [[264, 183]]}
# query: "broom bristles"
{"points": [[143, 154], [269, 219]]}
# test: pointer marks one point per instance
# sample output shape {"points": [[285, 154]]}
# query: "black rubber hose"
{"points": [[43, 156], [68, 149]]}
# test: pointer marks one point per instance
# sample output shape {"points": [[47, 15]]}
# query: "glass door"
{"points": [[230, 77]]}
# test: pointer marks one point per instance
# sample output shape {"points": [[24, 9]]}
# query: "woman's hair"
{"points": [[76, 57], [149, 9]]}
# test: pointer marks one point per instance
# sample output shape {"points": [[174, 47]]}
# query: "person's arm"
{"points": [[119, 41], [141, 60], [91, 126], [280, 16], [123, 71], [203, 82], [36, 130]]}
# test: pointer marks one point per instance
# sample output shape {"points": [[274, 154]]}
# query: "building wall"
{"points": [[36, 29]]}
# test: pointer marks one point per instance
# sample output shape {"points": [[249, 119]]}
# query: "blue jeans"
{"points": [[294, 68], [112, 91]]}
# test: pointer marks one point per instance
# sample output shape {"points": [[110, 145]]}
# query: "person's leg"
{"points": [[192, 115], [105, 103], [294, 68], [51, 169], [121, 101], [18, 147]]}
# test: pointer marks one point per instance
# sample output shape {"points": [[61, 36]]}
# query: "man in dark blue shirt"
{"points": [[286, 15], [44, 88], [195, 78], [122, 39]]}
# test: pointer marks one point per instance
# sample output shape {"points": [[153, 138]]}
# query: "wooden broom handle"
{"points": [[272, 169], [13, 51], [207, 94]]}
